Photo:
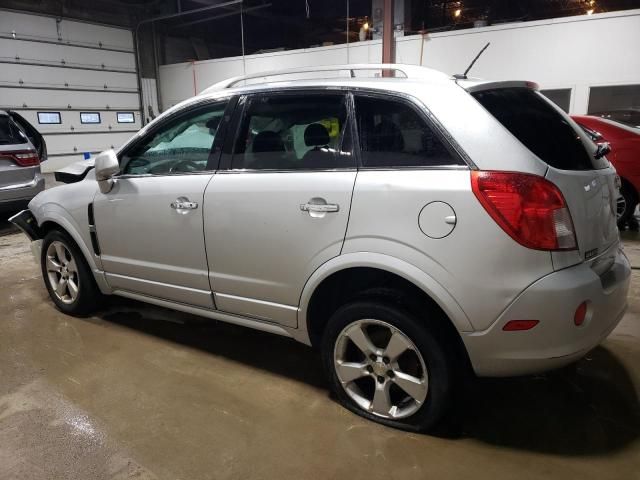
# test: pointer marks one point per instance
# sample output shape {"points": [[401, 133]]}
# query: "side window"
{"points": [[182, 145], [393, 134], [292, 132]]}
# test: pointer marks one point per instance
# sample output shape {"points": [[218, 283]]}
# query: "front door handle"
{"points": [[320, 207], [184, 204]]}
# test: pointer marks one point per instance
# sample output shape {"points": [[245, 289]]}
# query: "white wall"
{"points": [[572, 52]]}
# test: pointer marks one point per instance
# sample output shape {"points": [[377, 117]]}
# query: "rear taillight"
{"points": [[529, 208], [24, 158]]}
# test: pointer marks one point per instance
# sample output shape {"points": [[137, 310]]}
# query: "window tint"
{"points": [[541, 128], [292, 132], [9, 132], [181, 146], [393, 134]]}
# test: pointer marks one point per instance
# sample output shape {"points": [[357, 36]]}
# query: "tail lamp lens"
{"points": [[24, 158], [529, 208]]}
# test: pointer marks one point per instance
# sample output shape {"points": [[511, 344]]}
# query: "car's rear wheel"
{"points": [[67, 276], [626, 205], [387, 366]]}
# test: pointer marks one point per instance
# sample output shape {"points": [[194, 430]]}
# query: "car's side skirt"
{"points": [[212, 314]]}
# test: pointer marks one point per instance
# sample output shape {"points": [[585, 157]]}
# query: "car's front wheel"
{"points": [[386, 365], [67, 276]]}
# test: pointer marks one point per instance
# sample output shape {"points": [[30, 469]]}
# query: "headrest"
{"points": [[268, 141], [316, 135]]}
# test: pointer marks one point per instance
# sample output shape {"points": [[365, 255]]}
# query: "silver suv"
{"points": [[409, 227]]}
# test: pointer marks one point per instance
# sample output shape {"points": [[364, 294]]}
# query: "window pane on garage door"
{"points": [[559, 96], [620, 103]]}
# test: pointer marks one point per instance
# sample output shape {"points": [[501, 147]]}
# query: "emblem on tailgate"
{"points": [[590, 253]]}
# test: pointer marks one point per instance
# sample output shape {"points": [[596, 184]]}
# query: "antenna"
{"points": [[464, 75]]}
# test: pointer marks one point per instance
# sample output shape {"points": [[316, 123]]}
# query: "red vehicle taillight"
{"points": [[24, 158], [529, 208]]}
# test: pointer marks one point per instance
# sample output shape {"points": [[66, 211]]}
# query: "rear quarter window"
{"points": [[541, 128]]}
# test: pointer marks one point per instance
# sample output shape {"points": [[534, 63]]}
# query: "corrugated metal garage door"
{"points": [[78, 70]]}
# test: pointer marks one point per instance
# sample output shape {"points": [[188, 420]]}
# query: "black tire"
{"points": [[431, 345], [89, 297], [630, 203]]}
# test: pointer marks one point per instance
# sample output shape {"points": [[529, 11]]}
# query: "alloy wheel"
{"points": [[381, 369], [62, 272]]}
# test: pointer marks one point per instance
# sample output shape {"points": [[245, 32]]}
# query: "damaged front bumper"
{"points": [[26, 222]]}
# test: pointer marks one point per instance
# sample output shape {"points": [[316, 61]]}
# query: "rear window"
{"points": [[541, 128], [9, 132]]}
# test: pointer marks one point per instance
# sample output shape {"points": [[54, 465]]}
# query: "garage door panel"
{"points": [[63, 99], [45, 28], [75, 56], [69, 67], [96, 142], [33, 75]]}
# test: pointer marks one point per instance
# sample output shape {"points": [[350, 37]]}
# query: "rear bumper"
{"points": [[556, 341], [21, 192]]}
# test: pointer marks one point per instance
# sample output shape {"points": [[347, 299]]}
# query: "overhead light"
{"points": [[590, 11], [366, 25], [457, 12]]}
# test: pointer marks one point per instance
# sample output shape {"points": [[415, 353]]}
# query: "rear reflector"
{"points": [[24, 158], [529, 208], [517, 325], [581, 314]]}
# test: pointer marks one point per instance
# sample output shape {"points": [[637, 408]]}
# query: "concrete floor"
{"points": [[141, 392]]}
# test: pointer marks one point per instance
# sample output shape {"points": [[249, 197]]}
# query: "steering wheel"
{"points": [[185, 166]]}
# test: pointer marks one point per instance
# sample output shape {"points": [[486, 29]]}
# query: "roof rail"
{"points": [[409, 71]]}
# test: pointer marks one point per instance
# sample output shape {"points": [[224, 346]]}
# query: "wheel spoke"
{"points": [[350, 371], [396, 346], [71, 266], [360, 338], [61, 288], [381, 403], [60, 252], [414, 387], [72, 287], [52, 265]]}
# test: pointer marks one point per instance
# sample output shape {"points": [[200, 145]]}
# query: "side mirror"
{"points": [[106, 166]]}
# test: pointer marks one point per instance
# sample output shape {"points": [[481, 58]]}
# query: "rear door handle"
{"points": [[320, 207], [184, 205]]}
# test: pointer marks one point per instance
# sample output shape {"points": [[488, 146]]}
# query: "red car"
{"points": [[625, 157]]}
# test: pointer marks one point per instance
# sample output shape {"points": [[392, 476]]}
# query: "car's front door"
{"points": [[149, 226], [280, 208]]}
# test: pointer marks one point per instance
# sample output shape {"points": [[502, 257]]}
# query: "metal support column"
{"points": [[388, 50]]}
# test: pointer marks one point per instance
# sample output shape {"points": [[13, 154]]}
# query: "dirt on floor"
{"points": [[142, 392]]}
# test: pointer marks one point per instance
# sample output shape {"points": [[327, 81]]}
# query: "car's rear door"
{"points": [[150, 225], [587, 183], [279, 209]]}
